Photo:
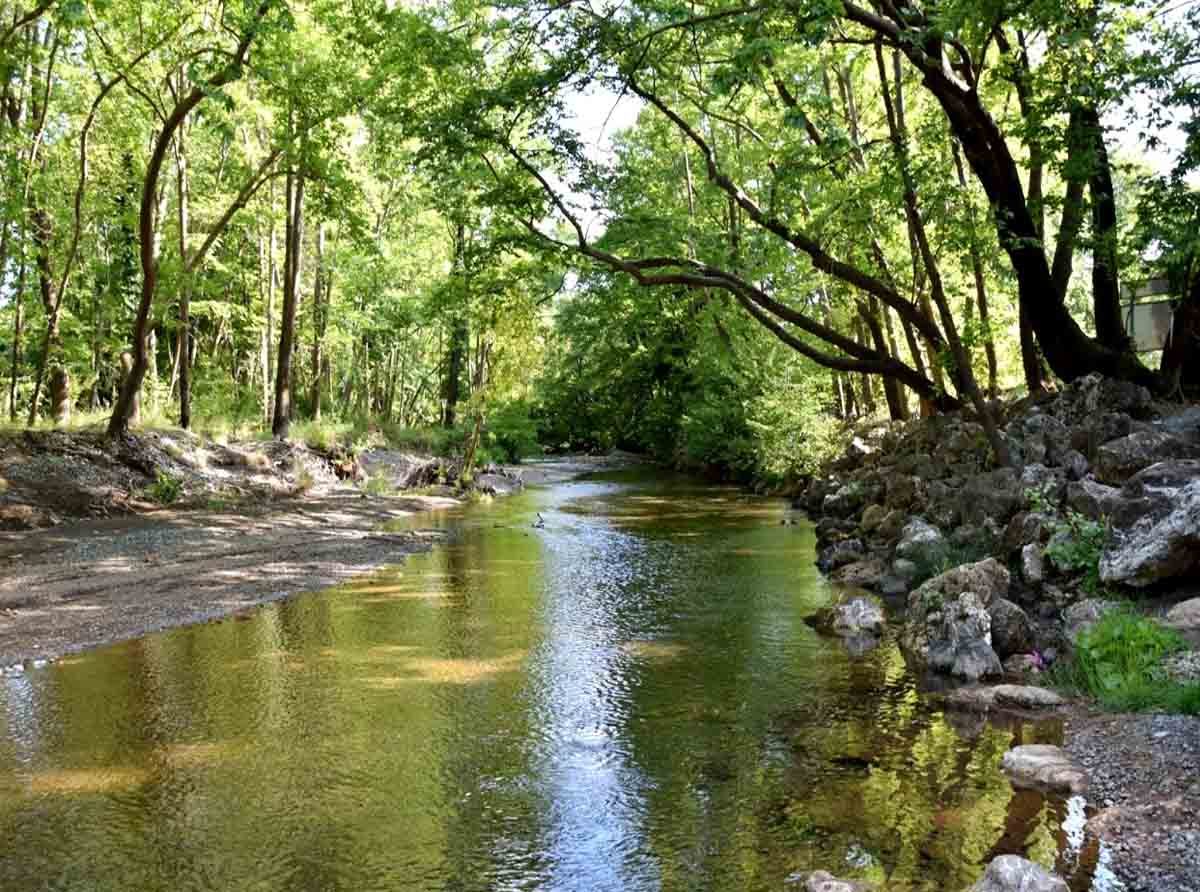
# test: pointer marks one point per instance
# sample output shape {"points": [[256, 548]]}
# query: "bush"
{"points": [[166, 489], [1076, 547], [1119, 662]]}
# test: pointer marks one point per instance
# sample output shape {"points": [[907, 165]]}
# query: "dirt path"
{"points": [[95, 582]]}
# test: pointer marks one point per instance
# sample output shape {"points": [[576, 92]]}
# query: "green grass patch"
{"points": [[166, 489], [1119, 662]]}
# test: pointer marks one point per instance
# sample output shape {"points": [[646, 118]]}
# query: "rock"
{"points": [[820, 881], [1085, 397], [863, 573], [1022, 664], [848, 499], [497, 484], [959, 639], [988, 579], [1153, 550], [1012, 630], [1092, 499], [1033, 565], [1024, 528], [920, 542], [830, 529], [1012, 873], [1020, 696], [1075, 463], [1120, 459], [891, 586], [892, 526], [841, 553], [1049, 481], [858, 616], [997, 494], [1043, 767], [1184, 616], [1103, 428], [905, 570], [903, 491], [972, 698], [872, 517], [1078, 618]]}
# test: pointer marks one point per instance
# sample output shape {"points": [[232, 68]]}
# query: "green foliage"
{"points": [[511, 433], [1119, 662], [166, 489], [1076, 547]]}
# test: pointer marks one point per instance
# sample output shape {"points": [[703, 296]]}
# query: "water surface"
{"points": [[626, 699]]}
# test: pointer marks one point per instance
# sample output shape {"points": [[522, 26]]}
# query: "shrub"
{"points": [[1076, 547], [166, 489], [1119, 662]]}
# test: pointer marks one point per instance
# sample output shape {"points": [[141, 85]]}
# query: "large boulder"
{"points": [[1157, 549], [872, 517], [959, 640], [847, 500], [1043, 767], [1033, 564], [1093, 394], [1120, 459], [1012, 873], [1092, 499], [1184, 616], [1012, 630], [988, 579], [920, 542]]}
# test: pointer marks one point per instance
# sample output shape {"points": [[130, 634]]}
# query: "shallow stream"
{"points": [[626, 699]]}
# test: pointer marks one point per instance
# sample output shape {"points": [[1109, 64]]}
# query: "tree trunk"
{"points": [[183, 340], [1180, 365], [1106, 287], [60, 395], [293, 237], [18, 334], [123, 411], [989, 344], [319, 313]]}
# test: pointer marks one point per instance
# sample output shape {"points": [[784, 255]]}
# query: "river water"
{"points": [[626, 699]]}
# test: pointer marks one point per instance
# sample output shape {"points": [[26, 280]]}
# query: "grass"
{"points": [[1119, 662]]}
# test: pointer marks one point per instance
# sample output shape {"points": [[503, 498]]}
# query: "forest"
{"points": [[710, 232]]}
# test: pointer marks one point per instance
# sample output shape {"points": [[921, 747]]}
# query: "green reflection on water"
{"points": [[626, 699]]}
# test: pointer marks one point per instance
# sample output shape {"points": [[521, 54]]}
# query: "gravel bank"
{"points": [[1144, 773]]}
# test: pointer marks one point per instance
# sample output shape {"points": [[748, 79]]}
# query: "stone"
{"points": [[497, 484], [1120, 459], [820, 881], [903, 491], [920, 542], [905, 569], [1012, 873], [1024, 528], [848, 499], [1078, 618], [1075, 463], [830, 529], [1154, 550], [959, 639], [1092, 499], [1022, 696], [987, 579], [892, 526], [972, 698], [841, 553], [997, 494], [1184, 615], [891, 586], [863, 573], [1102, 428], [872, 517], [1023, 664], [1033, 564], [1051, 482], [1012, 630], [1043, 767]]}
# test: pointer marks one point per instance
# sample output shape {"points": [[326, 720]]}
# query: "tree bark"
{"points": [[18, 334], [1106, 286], [183, 338], [293, 237], [319, 317]]}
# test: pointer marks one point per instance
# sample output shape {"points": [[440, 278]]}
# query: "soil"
{"points": [[254, 522]]}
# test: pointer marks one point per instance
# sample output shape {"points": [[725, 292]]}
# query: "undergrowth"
{"points": [[1119, 662]]}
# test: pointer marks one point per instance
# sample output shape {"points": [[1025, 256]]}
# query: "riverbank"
{"points": [[250, 524], [999, 573]]}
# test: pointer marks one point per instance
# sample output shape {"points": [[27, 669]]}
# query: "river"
{"points": [[625, 698]]}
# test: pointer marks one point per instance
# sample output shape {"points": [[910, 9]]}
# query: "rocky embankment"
{"points": [[994, 573]]}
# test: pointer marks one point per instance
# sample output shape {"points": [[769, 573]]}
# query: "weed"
{"points": [[379, 484], [166, 489], [1118, 661], [1076, 547]]}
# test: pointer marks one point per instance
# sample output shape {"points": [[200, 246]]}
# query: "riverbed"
{"points": [[602, 684]]}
